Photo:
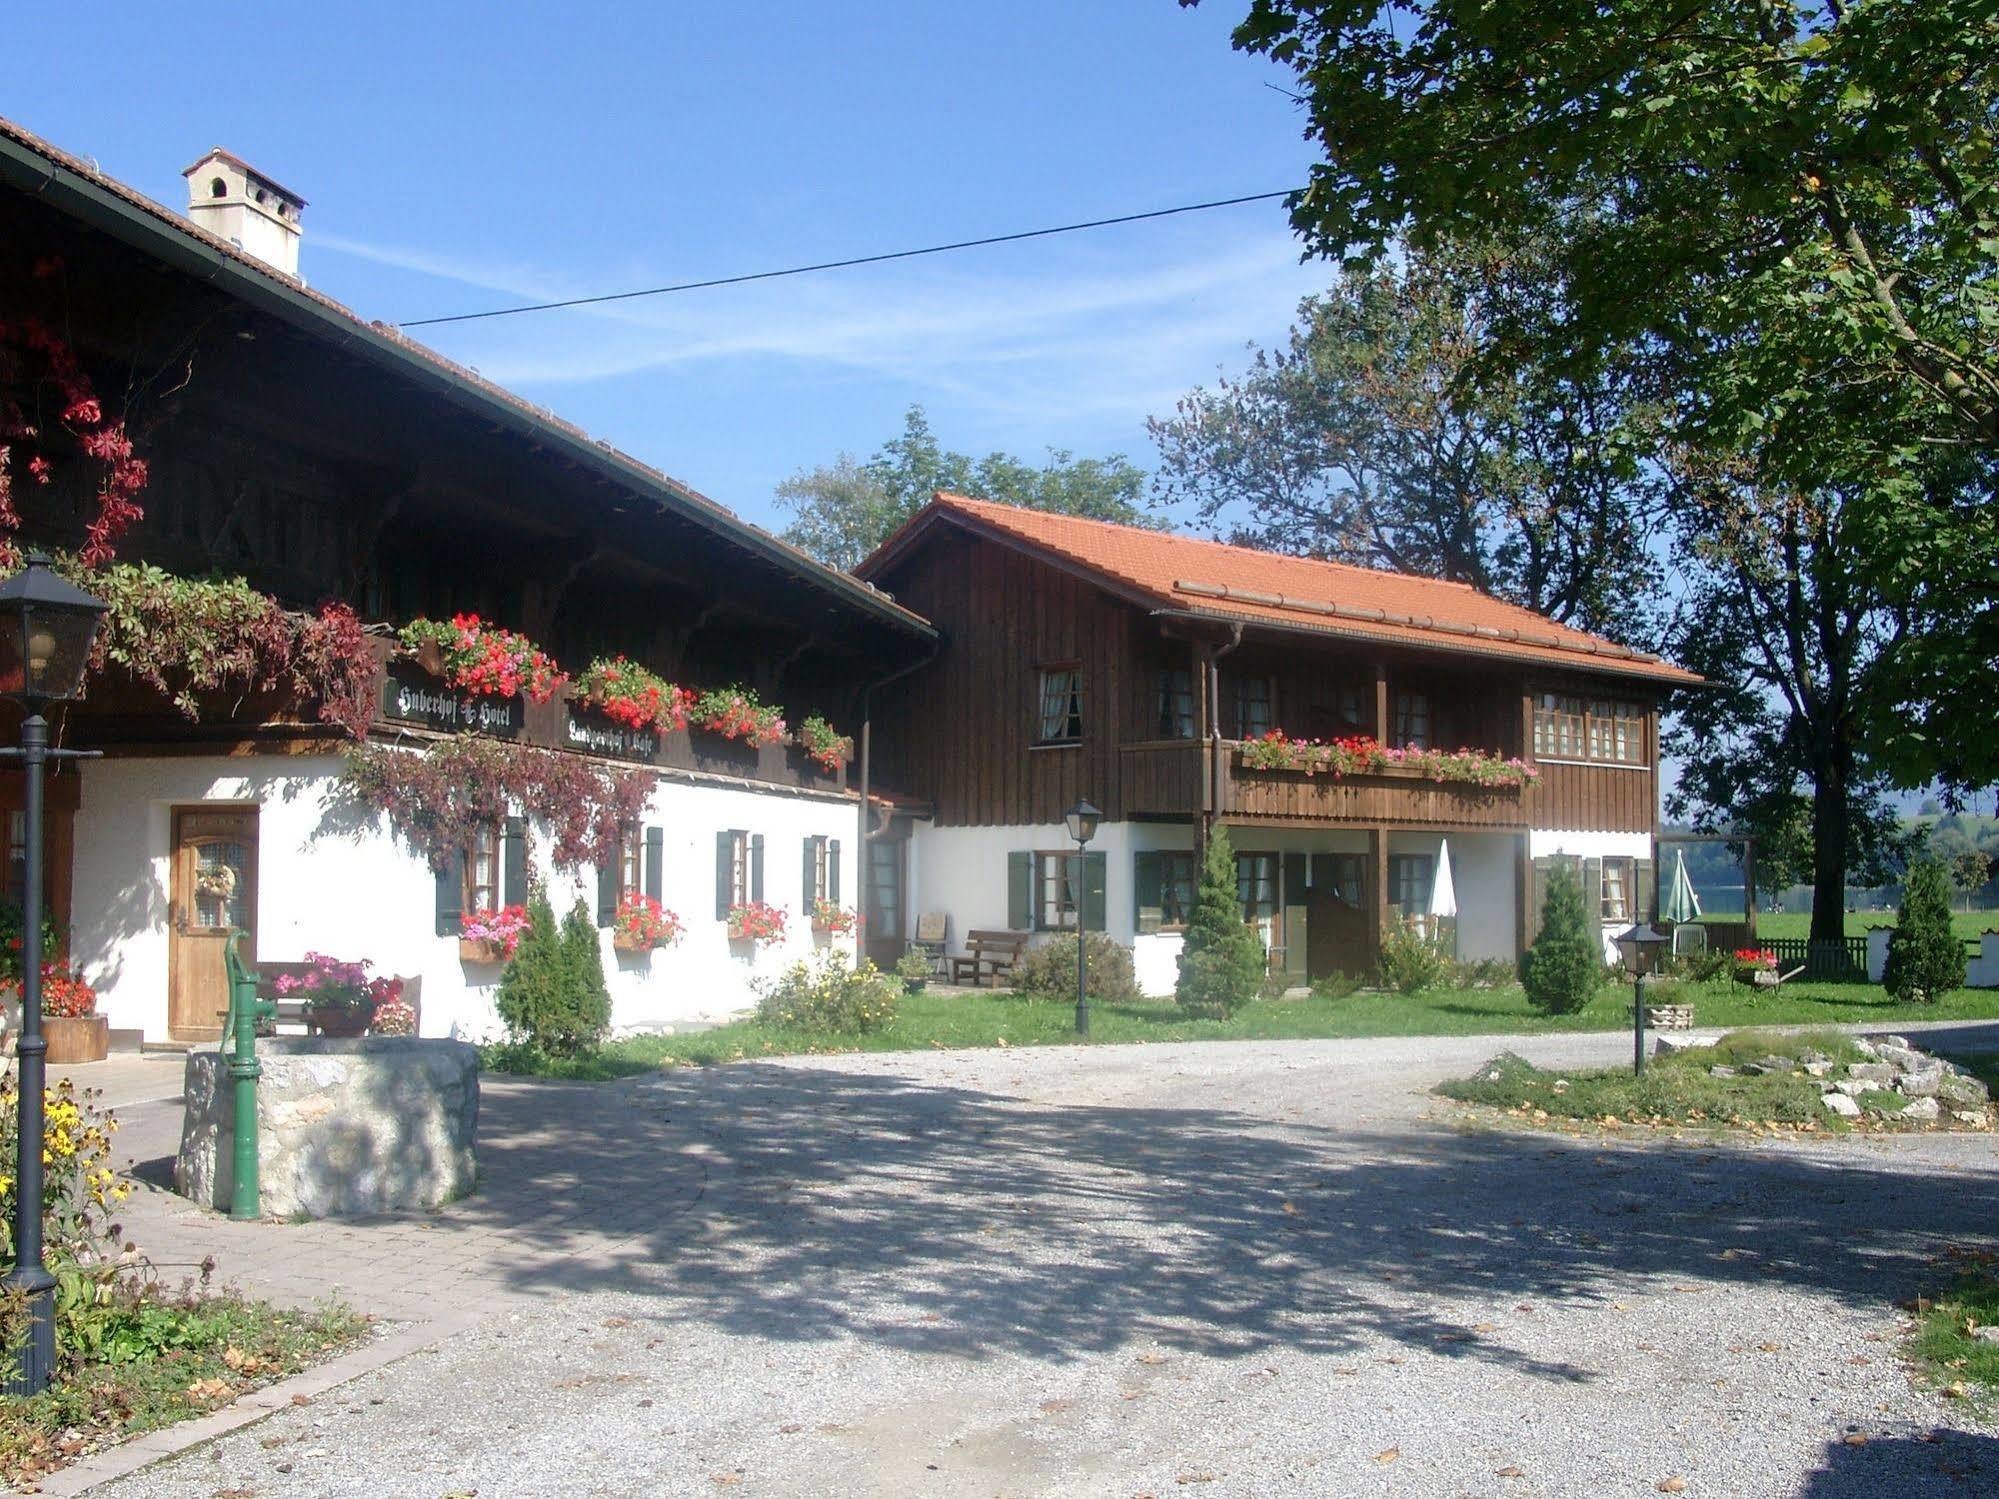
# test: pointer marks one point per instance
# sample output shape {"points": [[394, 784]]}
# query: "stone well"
{"points": [[343, 1126]]}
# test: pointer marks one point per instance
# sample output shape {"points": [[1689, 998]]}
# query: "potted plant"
{"points": [[627, 693], [1755, 965], [75, 1031], [831, 919], [339, 998], [642, 923], [393, 1015], [490, 936], [481, 659], [825, 744], [913, 968], [756, 922], [737, 713]]}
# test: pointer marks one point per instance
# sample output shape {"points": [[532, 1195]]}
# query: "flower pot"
{"points": [[480, 950], [737, 932], [916, 986], [77, 1038], [430, 656], [627, 942], [338, 1022]]}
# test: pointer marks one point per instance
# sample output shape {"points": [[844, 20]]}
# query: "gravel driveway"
{"points": [[1236, 1269]]}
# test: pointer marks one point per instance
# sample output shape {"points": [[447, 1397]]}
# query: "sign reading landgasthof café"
{"points": [[596, 736], [412, 695]]}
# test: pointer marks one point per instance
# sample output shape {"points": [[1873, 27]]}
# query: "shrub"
{"points": [[547, 999], [1335, 986], [1563, 967], [827, 996], [583, 964], [1702, 967], [1049, 971], [1411, 960], [1221, 961], [1483, 973], [1925, 958]]}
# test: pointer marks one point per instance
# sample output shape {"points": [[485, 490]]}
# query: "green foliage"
{"points": [[1333, 987], [1675, 1089], [1564, 967], [847, 508], [1943, 1344], [583, 962], [1925, 958], [1221, 960], [546, 999], [1048, 969], [1411, 960], [1703, 966], [827, 996]]}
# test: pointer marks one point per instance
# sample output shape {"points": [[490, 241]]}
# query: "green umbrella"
{"points": [[1681, 902]]}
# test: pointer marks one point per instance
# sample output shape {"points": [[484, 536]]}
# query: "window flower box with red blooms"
{"points": [[826, 744], [642, 923], [735, 713], [482, 659], [829, 918], [74, 1029], [491, 936], [756, 922], [627, 693], [1360, 754]]}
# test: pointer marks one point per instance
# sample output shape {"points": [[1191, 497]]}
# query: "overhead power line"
{"points": [[836, 265]]}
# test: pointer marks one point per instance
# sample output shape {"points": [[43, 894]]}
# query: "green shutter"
{"points": [[725, 868], [514, 862], [808, 871], [1592, 873], [1020, 891], [833, 870], [1096, 877], [607, 887], [1537, 896], [1148, 898], [656, 862], [1646, 895], [756, 868], [451, 895]]}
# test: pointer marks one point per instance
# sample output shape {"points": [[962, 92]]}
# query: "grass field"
{"points": [[987, 1018], [1799, 923]]}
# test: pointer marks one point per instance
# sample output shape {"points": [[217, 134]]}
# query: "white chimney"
{"points": [[233, 200]]}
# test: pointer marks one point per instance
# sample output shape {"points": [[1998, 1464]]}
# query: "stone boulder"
{"points": [[1840, 1103], [1925, 1110], [1872, 1074], [345, 1127], [1961, 1091]]}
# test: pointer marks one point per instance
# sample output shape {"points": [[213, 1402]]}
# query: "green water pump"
{"points": [[239, 1044]]}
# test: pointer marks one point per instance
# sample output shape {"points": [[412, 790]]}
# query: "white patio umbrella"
{"points": [[1443, 892], [1683, 903]]}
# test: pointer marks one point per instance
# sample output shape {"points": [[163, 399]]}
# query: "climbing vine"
{"points": [[438, 797]]}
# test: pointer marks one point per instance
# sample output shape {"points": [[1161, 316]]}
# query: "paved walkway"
{"points": [[1241, 1269]]}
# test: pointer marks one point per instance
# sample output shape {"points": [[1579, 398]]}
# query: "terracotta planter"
{"points": [[480, 950], [625, 942], [340, 1022], [737, 933], [77, 1038]]}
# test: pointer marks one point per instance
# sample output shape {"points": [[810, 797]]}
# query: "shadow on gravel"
{"points": [[809, 1204], [1954, 1464]]}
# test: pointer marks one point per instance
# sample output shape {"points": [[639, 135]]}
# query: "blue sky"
{"points": [[460, 156]]}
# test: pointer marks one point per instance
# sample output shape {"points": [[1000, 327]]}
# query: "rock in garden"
{"points": [[1817, 1069], [1986, 1334], [1968, 1116], [1882, 1043], [1924, 1084], [1906, 1057], [1771, 1064], [1865, 1047], [1808, 1057], [1842, 1105], [1925, 1110], [1717, 1070], [1871, 1074], [1956, 1088]]}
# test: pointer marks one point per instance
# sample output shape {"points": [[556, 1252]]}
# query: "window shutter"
{"points": [[725, 868], [514, 861], [1537, 896], [833, 870], [1592, 872], [656, 862], [808, 872], [451, 896], [756, 868], [607, 887], [1020, 891], [1645, 894], [1096, 875], [1148, 903]]}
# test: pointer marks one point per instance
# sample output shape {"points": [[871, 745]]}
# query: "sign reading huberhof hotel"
{"points": [[411, 695]]}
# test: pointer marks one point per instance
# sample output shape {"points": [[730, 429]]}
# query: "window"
{"points": [[1177, 876], [1255, 713], [1558, 726], [1409, 879], [1256, 885], [482, 869], [1346, 710], [1616, 732], [631, 859], [817, 885], [1410, 720], [1619, 879], [1061, 704], [1054, 892], [732, 870], [1173, 707]]}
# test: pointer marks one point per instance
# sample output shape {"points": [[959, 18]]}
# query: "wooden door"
{"points": [[882, 905], [214, 893], [1340, 933]]}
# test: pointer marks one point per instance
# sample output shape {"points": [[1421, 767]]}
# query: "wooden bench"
{"points": [[988, 954]]}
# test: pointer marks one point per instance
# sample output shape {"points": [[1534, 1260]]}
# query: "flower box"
{"points": [[1360, 755], [77, 1038], [481, 950], [629, 942], [757, 922]]}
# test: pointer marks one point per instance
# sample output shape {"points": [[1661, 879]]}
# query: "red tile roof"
{"points": [[1183, 573]]}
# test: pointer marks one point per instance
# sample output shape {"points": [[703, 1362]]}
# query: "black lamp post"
{"points": [[47, 626], [1639, 947], [1082, 821]]}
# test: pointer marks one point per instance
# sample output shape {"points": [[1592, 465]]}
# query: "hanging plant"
{"points": [[189, 639], [629, 694], [439, 797], [826, 744], [484, 660], [736, 713]]}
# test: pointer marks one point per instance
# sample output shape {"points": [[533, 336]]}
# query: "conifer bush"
{"points": [[1221, 961], [1925, 958], [546, 998], [1562, 969], [1049, 971]]}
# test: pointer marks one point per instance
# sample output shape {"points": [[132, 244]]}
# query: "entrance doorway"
{"points": [[884, 905], [1341, 933], [213, 891]]}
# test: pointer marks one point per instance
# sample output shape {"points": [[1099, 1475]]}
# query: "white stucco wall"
{"points": [[331, 880], [1542, 842]]}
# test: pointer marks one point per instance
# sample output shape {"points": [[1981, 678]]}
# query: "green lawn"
{"points": [[1799, 923], [933, 1020]]}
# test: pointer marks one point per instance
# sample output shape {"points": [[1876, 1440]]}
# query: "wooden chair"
{"points": [[988, 955], [933, 939]]}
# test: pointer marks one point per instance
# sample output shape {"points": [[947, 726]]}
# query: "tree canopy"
{"points": [[845, 509]]}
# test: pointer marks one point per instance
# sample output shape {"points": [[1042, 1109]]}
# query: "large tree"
{"points": [[1791, 208], [1374, 437], [845, 509]]}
